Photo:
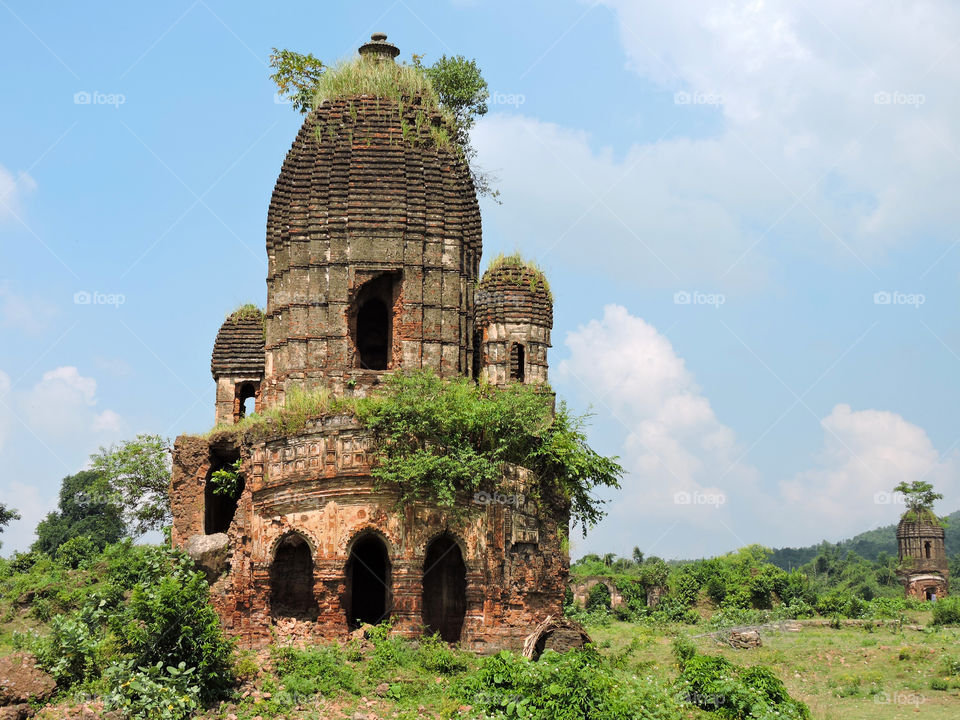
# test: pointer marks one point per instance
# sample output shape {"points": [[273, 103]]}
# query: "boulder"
{"points": [[210, 553], [745, 639], [22, 681]]}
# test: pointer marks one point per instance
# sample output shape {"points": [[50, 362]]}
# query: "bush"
{"points": [[435, 656], [152, 693], [715, 684], [576, 685], [76, 552], [598, 598], [946, 611], [320, 669]]}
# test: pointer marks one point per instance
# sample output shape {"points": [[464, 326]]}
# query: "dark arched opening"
{"points": [[926, 550], [291, 580], [444, 589], [368, 582], [245, 400], [517, 362], [219, 506], [373, 335]]}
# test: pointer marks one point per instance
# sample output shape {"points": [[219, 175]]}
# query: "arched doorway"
{"points": [[368, 582], [220, 507], [444, 589], [291, 580]]}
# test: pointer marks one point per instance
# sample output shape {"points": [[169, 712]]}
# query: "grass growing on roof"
{"points": [[247, 310], [394, 81], [520, 270]]}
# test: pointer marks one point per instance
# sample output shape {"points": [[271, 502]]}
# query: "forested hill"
{"points": [[868, 544]]}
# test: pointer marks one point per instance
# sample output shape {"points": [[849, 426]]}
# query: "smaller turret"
{"points": [[514, 320], [237, 364]]}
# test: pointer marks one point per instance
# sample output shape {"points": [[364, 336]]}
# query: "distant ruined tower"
{"points": [[923, 567]]}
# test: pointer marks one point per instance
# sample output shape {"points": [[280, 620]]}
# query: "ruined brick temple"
{"points": [[923, 566], [373, 243]]}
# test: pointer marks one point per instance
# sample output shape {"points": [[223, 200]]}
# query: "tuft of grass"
{"points": [[300, 406], [407, 85], [245, 311], [521, 270]]}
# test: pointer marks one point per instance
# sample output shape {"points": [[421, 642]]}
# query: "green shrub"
{"points": [[946, 611], [435, 656], [314, 670], [77, 552], [598, 598], [152, 693], [683, 650]]}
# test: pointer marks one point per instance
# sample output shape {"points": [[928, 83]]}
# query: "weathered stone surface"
{"points": [[745, 639], [21, 680], [923, 567], [17, 712], [554, 633], [373, 246], [211, 553]]}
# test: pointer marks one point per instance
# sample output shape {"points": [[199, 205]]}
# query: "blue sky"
{"points": [[777, 164]]}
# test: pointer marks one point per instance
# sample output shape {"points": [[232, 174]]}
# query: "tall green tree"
{"points": [[137, 472], [86, 507], [6, 515]]}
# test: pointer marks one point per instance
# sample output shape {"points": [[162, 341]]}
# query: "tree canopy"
{"points": [[86, 507]]}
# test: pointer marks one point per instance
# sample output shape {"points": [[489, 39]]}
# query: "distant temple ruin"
{"points": [[373, 241], [923, 568]]}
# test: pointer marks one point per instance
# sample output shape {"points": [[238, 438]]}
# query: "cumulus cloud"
{"points": [[689, 487], [824, 140], [865, 454], [62, 404]]}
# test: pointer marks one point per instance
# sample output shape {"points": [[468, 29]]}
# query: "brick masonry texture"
{"points": [[920, 574], [368, 211]]}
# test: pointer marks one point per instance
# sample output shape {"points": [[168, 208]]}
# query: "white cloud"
{"points": [[33, 508], [865, 454], [674, 443], [12, 191], [62, 404], [675, 448], [809, 154]]}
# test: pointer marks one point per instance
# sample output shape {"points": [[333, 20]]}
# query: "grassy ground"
{"points": [[851, 673]]}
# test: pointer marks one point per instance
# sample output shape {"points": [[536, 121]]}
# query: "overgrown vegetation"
{"points": [[452, 86], [444, 440], [520, 271], [134, 625]]}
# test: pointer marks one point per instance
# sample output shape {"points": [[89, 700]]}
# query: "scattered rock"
{"points": [[21, 680], [16, 712], [210, 553], [745, 640], [382, 689]]}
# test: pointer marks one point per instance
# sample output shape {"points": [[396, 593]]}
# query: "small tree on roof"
{"points": [[919, 496]]}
